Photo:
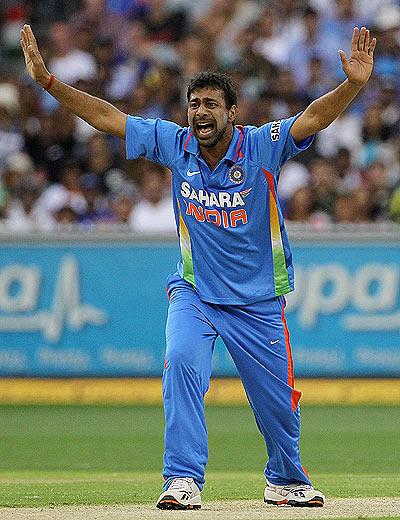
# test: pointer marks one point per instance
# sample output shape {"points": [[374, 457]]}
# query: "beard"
{"points": [[212, 140]]}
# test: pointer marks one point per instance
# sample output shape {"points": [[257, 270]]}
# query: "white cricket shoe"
{"points": [[182, 493], [296, 495]]}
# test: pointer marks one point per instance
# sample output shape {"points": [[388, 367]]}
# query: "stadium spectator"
{"points": [[66, 216], [51, 144], [387, 25], [68, 62], [376, 181], [122, 206], [345, 132], [301, 205], [153, 213], [11, 139], [294, 176], [305, 48], [343, 211], [66, 193], [375, 132], [324, 183], [350, 177], [100, 161], [97, 209], [361, 200], [164, 22], [335, 27], [17, 166], [23, 214]]}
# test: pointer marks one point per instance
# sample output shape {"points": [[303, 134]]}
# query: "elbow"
{"points": [[316, 122], [307, 124]]}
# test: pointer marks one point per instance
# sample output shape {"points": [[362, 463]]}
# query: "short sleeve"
{"points": [[273, 143], [154, 139]]}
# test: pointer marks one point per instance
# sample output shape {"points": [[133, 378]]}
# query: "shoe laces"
{"points": [[300, 486], [297, 487], [181, 484]]}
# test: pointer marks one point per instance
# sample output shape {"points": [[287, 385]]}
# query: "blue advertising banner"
{"points": [[345, 312], [99, 309]]}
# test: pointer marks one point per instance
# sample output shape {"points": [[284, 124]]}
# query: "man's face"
{"points": [[208, 115]]}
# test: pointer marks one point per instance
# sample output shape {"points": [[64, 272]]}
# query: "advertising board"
{"points": [[99, 309]]}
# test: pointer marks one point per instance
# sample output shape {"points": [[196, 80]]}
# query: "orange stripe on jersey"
{"points": [[288, 351], [238, 153], [187, 141], [295, 393], [270, 180]]}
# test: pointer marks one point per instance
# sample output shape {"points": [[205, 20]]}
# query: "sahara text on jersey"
{"points": [[219, 200]]}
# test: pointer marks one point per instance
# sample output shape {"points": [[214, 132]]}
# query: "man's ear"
{"points": [[232, 113]]}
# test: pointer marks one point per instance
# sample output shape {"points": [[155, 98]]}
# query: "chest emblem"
{"points": [[236, 174]]}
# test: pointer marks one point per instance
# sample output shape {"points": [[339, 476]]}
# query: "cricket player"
{"points": [[235, 264]]}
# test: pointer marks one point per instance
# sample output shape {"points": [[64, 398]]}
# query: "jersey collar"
{"points": [[233, 153]]}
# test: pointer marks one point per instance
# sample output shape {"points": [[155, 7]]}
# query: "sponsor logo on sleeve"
{"points": [[275, 130]]}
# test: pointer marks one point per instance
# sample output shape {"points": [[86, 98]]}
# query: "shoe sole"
{"points": [[172, 504], [276, 503], [315, 502]]}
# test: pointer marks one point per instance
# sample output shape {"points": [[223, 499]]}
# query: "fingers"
{"points": [[25, 35], [33, 60], [24, 46], [32, 38], [361, 40], [28, 37], [354, 39], [24, 40], [28, 44], [372, 47], [367, 38], [343, 59]]}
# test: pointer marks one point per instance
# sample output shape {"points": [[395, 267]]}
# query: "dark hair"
{"points": [[216, 80]]}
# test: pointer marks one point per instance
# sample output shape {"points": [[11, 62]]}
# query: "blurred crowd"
{"points": [[139, 54]]}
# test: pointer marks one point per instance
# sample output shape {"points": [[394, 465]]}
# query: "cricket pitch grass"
{"points": [[104, 462]]}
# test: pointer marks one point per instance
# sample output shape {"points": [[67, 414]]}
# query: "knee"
{"points": [[180, 355]]}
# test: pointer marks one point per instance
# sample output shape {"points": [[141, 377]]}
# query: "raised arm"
{"points": [[98, 113], [324, 110]]}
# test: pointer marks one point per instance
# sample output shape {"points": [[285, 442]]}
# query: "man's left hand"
{"points": [[358, 67]]}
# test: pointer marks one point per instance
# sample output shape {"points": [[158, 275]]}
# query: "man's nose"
{"points": [[201, 111]]}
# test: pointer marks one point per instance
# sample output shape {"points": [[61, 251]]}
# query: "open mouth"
{"points": [[204, 129]]}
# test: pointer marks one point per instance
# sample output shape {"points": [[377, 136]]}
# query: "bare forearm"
{"points": [[324, 110], [97, 112]]}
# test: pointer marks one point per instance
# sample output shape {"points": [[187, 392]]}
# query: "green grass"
{"points": [[103, 455]]}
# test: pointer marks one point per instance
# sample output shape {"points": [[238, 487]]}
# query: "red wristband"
{"points": [[51, 82]]}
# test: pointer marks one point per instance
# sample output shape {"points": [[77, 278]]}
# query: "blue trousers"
{"points": [[257, 338]]}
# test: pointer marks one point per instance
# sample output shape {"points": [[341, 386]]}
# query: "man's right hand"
{"points": [[98, 113], [33, 59]]}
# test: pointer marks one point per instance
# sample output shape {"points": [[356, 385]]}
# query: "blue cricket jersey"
{"points": [[234, 246]]}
